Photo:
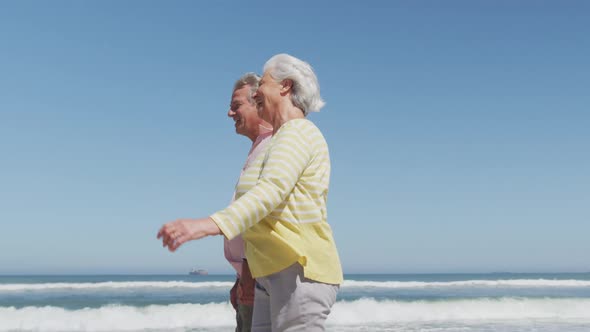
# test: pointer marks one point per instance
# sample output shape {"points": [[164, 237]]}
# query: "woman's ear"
{"points": [[286, 86]]}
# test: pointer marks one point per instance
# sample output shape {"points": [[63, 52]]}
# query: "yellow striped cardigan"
{"points": [[280, 206]]}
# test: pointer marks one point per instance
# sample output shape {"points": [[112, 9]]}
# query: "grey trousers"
{"points": [[287, 301]]}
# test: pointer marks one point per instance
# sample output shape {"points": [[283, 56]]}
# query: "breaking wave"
{"points": [[365, 311], [525, 283]]}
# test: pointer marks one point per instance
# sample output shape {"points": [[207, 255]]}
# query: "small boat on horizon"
{"points": [[198, 272]]}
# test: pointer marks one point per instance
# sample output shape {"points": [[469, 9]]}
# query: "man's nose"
{"points": [[231, 113]]}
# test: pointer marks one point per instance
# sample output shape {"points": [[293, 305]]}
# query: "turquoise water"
{"points": [[418, 302]]}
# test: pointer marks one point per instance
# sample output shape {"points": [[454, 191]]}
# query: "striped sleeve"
{"points": [[287, 158]]}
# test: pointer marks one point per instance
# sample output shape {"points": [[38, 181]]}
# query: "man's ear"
{"points": [[286, 86]]}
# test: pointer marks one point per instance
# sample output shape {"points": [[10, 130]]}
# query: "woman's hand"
{"points": [[175, 233]]}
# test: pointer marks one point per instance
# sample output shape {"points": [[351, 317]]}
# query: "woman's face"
{"points": [[267, 97]]}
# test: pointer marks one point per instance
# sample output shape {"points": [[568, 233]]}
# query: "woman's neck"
{"points": [[284, 114]]}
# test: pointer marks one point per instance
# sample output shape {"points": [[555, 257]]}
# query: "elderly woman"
{"points": [[280, 208]]}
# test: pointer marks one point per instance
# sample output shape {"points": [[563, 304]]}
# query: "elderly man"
{"points": [[247, 122]]}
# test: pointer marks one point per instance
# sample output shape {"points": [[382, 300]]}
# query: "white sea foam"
{"points": [[114, 285], [117, 318], [368, 310], [364, 312], [524, 283]]}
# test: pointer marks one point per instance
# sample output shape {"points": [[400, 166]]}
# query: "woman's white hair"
{"points": [[306, 89]]}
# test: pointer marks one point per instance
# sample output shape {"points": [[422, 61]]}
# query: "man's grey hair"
{"points": [[306, 88], [250, 79]]}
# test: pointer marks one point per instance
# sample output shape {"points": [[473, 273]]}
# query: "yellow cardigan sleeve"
{"points": [[288, 155]]}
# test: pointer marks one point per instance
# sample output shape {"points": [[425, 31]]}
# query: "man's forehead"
{"points": [[241, 93], [236, 98]]}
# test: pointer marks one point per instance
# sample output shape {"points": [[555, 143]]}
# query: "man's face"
{"points": [[244, 113]]}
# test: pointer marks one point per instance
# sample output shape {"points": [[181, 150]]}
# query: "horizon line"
{"points": [[233, 274]]}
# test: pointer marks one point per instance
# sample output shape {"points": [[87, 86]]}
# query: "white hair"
{"points": [[306, 89]]}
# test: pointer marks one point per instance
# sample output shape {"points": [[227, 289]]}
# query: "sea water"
{"points": [[420, 302]]}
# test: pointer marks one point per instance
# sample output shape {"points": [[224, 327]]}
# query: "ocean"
{"points": [[395, 302]]}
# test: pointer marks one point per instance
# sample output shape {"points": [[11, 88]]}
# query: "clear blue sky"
{"points": [[459, 130]]}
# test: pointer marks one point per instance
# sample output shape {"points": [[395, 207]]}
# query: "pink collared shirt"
{"points": [[234, 249]]}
